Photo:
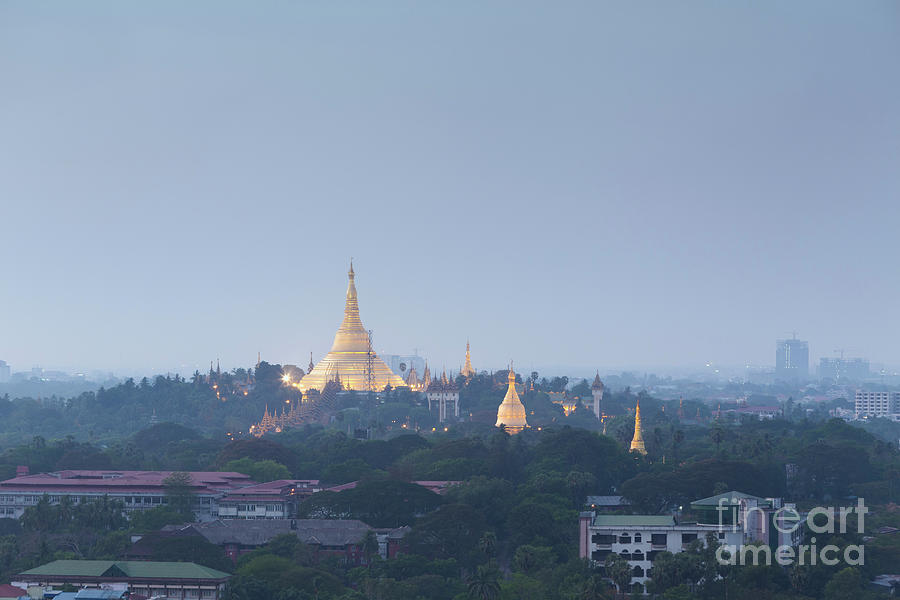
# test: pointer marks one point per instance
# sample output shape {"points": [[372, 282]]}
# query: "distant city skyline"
{"points": [[609, 186]]}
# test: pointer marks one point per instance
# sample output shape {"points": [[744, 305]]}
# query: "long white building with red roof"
{"points": [[138, 490]]}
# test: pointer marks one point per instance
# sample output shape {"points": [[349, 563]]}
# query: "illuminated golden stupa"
{"points": [[511, 413], [349, 360], [637, 442], [467, 371]]}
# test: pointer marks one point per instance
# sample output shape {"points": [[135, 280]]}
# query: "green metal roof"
{"points": [[635, 520], [84, 568], [729, 497], [130, 568]]}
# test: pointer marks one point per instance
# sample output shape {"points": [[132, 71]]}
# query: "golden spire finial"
{"points": [[350, 272]]}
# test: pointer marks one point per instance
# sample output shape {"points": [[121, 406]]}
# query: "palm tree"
{"points": [[677, 440], [717, 436], [370, 546], [65, 510], [488, 544], [594, 588], [618, 569], [484, 584]]}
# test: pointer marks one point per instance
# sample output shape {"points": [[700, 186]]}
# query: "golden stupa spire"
{"points": [[349, 353], [511, 413], [426, 377], [412, 379], [637, 442], [467, 370]]}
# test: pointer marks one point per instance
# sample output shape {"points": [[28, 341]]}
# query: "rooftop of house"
{"points": [[731, 498], [438, 487], [123, 569], [607, 501], [90, 594], [11, 591], [273, 489], [256, 532], [634, 521]]}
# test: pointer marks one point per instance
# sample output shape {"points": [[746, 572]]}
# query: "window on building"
{"points": [[637, 538], [603, 539], [658, 539], [624, 539]]}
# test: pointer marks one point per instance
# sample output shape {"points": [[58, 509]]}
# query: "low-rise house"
{"points": [[607, 503], [342, 538], [272, 500], [171, 580]]}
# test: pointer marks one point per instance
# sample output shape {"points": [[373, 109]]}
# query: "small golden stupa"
{"points": [[637, 442], [467, 371], [511, 413], [349, 359]]}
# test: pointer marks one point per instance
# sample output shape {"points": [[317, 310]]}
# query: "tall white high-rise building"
{"points": [[791, 360]]}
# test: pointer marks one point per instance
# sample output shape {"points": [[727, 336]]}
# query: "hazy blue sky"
{"points": [[583, 184]]}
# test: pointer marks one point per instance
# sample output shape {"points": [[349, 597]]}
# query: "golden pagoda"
{"points": [[467, 371], [412, 380], [426, 377], [351, 355], [511, 413], [637, 442]]}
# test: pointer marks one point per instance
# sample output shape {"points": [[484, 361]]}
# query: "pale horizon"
{"points": [[605, 186]]}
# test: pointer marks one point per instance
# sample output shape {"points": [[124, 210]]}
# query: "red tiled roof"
{"points": [[272, 489], [438, 487], [122, 481], [11, 591], [343, 486]]}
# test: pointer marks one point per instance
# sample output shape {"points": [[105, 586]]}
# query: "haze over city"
{"points": [[606, 186]]}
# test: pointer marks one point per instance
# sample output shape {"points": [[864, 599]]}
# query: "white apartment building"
{"points": [[877, 404], [734, 518]]}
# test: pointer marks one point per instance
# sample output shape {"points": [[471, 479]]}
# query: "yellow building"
{"points": [[351, 359], [511, 413]]}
